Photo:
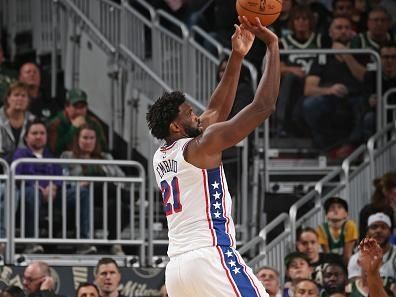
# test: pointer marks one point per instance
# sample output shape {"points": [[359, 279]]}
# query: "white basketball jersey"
{"points": [[196, 201]]}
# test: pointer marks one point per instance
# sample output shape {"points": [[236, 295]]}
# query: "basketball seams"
{"points": [[258, 13]]}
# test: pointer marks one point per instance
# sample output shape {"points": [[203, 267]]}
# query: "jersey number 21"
{"points": [[166, 191]]}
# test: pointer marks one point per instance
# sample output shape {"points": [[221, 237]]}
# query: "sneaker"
{"points": [[116, 249], [86, 249], [33, 249]]}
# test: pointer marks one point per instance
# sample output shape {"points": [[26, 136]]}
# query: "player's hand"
{"points": [[259, 30], [242, 40], [370, 258]]}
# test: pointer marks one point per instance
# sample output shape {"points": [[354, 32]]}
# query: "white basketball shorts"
{"points": [[211, 272]]}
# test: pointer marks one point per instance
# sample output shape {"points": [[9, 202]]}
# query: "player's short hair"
{"points": [[163, 112], [85, 285]]}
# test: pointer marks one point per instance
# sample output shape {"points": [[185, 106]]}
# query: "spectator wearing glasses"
{"points": [[37, 280]]}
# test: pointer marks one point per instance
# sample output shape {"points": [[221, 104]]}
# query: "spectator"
{"points": [[359, 16], [37, 280], [36, 141], [41, 106], [87, 290], [382, 200], [306, 287], [295, 67], [7, 75], [335, 278], [64, 126], [378, 24], [388, 61], [379, 228], [280, 26], [108, 277], [12, 291], [360, 286], [338, 234], [297, 268], [86, 146], [271, 280], [335, 105], [308, 243], [14, 116]]}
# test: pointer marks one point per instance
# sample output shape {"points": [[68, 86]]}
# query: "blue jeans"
{"points": [[71, 196]]}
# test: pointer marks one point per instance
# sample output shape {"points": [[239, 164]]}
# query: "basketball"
{"points": [[266, 10]]}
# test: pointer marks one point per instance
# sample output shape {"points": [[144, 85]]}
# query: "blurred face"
{"points": [[301, 24], [378, 24], [287, 6], [299, 269], [388, 58], [76, 110], [36, 138], [188, 121], [334, 279], [380, 232], [343, 8], [306, 289], [309, 244], [108, 278], [340, 30], [18, 100], [32, 279], [269, 279], [87, 141], [30, 74], [336, 213], [88, 291]]}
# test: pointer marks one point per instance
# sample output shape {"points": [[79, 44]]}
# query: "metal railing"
{"points": [[389, 106], [4, 202], [115, 191]]}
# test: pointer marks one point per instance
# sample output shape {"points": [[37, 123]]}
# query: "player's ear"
{"points": [[174, 127]]}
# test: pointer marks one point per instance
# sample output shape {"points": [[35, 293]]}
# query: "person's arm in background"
{"points": [[371, 260]]}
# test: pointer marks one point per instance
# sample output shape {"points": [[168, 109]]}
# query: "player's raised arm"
{"points": [[223, 97], [220, 136]]}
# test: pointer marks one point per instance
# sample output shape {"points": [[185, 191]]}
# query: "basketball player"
{"points": [[188, 169]]}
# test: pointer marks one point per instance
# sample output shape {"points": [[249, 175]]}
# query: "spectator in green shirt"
{"points": [[64, 126]]}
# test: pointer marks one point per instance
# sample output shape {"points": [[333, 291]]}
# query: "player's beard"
{"points": [[192, 131]]}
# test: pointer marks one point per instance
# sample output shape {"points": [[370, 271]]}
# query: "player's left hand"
{"points": [[242, 40]]}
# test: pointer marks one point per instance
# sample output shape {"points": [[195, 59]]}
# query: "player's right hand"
{"points": [[259, 30]]}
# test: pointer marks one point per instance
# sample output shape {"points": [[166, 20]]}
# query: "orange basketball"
{"points": [[266, 10]]}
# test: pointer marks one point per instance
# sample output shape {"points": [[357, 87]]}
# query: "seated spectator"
{"points": [[360, 285], [382, 200], [14, 116], [338, 235], [7, 75], [297, 268], [295, 67], [335, 103], [379, 228], [306, 287], [12, 291], [335, 278], [377, 35], [36, 141], [87, 290], [37, 280], [41, 106], [280, 26], [270, 280], [86, 146], [388, 61], [108, 277], [359, 16], [308, 243], [64, 127]]}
